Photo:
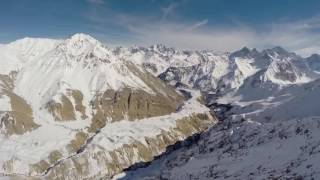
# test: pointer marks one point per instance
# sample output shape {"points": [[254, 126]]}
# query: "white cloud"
{"points": [[198, 24], [305, 52], [169, 10], [182, 37], [301, 36]]}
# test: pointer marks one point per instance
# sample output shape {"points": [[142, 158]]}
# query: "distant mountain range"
{"points": [[75, 108]]}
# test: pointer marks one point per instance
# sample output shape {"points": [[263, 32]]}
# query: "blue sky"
{"points": [[222, 25]]}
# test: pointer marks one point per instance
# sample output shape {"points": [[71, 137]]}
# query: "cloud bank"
{"points": [[302, 37]]}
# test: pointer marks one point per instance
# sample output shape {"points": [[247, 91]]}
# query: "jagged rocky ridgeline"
{"points": [[74, 109]]}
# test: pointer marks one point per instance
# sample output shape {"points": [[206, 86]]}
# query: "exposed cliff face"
{"points": [[130, 104], [17, 117], [68, 106]]}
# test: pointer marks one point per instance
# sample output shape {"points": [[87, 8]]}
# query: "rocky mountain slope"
{"points": [[245, 150], [75, 109]]}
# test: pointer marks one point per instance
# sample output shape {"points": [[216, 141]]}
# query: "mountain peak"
{"points": [[245, 52], [160, 48], [27, 41], [30, 48], [83, 38], [80, 43], [279, 50], [314, 57], [245, 49]]}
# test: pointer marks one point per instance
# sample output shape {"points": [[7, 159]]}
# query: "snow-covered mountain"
{"points": [[268, 106], [270, 137], [76, 108], [226, 72]]}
